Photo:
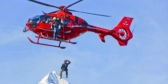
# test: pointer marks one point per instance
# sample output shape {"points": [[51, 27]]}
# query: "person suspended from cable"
{"points": [[64, 67]]}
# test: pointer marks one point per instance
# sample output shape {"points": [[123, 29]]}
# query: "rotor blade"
{"points": [[74, 3], [89, 13], [44, 4]]}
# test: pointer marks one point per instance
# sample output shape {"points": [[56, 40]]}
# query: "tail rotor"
{"points": [[122, 31]]}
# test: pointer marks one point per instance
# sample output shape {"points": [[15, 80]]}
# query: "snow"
{"points": [[53, 78]]}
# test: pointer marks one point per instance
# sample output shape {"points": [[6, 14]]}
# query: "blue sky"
{"points": [[143, 61]]}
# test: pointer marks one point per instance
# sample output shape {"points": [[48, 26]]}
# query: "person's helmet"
{"points": [[54, 18], [65, 61], [57, 18]]}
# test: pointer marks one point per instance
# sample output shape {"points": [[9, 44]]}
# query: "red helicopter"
{"points": [[74, 27]]}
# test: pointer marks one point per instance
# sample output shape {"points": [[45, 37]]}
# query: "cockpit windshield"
{"points": [[37, 18]]}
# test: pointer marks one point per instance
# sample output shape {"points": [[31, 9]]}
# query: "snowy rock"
{"points": [[53, 78]]}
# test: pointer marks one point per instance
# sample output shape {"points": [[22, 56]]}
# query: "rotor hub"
{"points": [[122, 33], [63, 8]]}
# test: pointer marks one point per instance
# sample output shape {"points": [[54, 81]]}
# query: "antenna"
{"points": [[133, 28], [44, 13]]}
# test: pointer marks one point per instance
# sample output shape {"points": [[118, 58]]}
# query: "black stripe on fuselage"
{"points": [[76, 19]]}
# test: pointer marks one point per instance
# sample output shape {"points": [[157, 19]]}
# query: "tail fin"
{"points": [[122, 31]]}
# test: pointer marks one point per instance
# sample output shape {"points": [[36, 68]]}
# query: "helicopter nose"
{"points": [[31, 24], [28, 20]]}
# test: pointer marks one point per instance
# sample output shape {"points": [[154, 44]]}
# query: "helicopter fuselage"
{"points": [[74, 26]]}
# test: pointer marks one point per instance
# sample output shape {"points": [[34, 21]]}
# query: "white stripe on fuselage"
{"points": [[74, 26], [77, 26]]}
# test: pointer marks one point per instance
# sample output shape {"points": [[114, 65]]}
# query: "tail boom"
{"points": [[121, 32]]}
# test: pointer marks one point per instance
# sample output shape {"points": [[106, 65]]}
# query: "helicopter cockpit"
{"points": [[35, 20]]}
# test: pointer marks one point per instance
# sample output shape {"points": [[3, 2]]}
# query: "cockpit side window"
{"points": [[47, 19]]}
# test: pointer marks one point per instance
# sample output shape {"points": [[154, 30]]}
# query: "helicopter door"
{"points": [[46, 23]]}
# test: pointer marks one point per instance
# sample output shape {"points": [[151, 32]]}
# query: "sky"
{"points": [[143, 61]]}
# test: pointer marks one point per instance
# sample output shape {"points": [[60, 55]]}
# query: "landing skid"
{"points": [[62, 47], [57, 40], [60, 40]]}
